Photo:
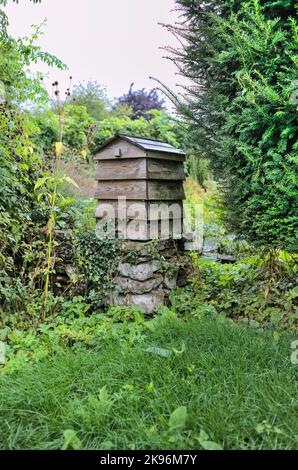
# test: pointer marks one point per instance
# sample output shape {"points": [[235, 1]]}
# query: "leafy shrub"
{"points": [[247, 290], [210, 200], [69, 324], [160, 126], [240, 108], [97, 260], [140, 102], [125, 314], [22, 214], [185, 303], [93, 97], [235, 246], [197, 168]]}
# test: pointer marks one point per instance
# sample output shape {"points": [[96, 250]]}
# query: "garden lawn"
{"points": [[237, 384]]}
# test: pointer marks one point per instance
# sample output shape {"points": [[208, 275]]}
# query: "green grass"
{"points": [[230, 378]]}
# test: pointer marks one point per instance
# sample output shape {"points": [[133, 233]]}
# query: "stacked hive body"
{"points": [[147, 173]]}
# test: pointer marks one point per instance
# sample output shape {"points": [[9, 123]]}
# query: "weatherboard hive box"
{"points": [[140, 185]]}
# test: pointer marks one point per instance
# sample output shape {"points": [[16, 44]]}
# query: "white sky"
{"points": [[115, 42]]}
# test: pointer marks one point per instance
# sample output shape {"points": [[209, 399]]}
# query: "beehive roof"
{"points": [[145, 144]]}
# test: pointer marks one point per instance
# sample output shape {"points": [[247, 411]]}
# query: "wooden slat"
{"points": [[113, 189], [137, 190], [166, 156], [122, 169], [165, 190], [165, 170], [135, 168], [111, 151]]}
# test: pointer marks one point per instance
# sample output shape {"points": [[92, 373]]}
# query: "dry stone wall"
{"points": [[148, 273]]}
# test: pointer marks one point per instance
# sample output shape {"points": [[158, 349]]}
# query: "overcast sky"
{"points": [[115, 42]]}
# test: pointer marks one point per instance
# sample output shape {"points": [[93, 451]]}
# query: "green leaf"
{"points": [[40, 182], [71, 181], [177, 419], [159, 351], [71, 441], [206, 443], [181, 351], [106, 445], [103, 395], [203, 436], [276, 336], [210, 445]]}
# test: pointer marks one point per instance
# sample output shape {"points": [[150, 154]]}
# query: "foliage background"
{"points": [[241, 58]]}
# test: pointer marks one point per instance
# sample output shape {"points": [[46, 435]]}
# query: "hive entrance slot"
{"points": [[118, 154]]}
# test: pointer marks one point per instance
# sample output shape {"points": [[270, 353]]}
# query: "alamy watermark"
{"points": [[129, 220]]}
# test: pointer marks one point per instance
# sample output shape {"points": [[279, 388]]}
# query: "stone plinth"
{"points": [[147, 273]]}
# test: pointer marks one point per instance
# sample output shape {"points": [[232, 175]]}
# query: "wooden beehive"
{"points": [[144, 171]]}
